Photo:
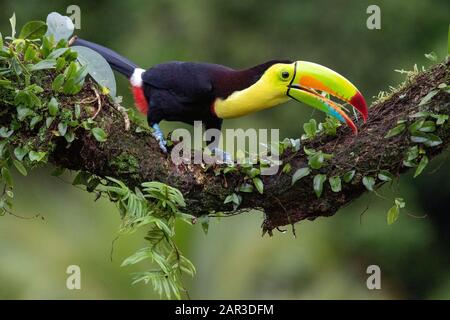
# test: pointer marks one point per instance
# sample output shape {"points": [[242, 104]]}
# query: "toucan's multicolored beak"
{"points": [[311, 80]]}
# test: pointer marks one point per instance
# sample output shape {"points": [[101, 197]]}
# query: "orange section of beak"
{"points": [[310, 82]]}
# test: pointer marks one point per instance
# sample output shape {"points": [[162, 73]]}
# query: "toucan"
{"points": [[197, 91]]}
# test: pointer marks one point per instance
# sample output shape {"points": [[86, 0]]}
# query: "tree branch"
{"points": [[134, 157]]}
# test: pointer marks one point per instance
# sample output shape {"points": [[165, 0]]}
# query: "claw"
{"points": [[224, 156]]}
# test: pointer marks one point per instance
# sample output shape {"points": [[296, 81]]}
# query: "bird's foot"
{"points": [[159, 135], [224, 156]]}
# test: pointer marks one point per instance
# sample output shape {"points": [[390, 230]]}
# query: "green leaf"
{"points": [[69, 86], [428, 97], [300, 173], [348, 176], [1, 42], [396, 130], [318, 181], [287, 168], [78, 113], [422, 164], [71, 70], [5, 133], [440, 118], [428, 139], [20, 167], [330, 125], [253, 172], [416, 125], [385, 175], [58, 82], [99, 134], [335, 183], [20, 152], [53, 107], [428, 126], [309, 152], [400, 203], [420, 114], [392, 215], [70, 136], [17, 69], [310, 128], [60, 27], [412, 153], [62, 128], [12, 21], [235, 199], [23, 112], [6, 175], [44, 64], [5, 83], [30, 54], [36, 119], [33, 30], [36, 156], [259, 185], [81, 74], [316, 161], [97, 67], [49, 121], [229, 199], [55, 54], [3, 144], [431, 56], [369, 182], [60, 64], [246, 187]]}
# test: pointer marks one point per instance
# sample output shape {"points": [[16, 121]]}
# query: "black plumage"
{"points": [[183, 91], [186, 91]]}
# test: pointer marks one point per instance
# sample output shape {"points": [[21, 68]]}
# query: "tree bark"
{"points": [[134, 157]]}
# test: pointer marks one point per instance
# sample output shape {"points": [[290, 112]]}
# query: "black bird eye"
{"points": [[285, 74]]}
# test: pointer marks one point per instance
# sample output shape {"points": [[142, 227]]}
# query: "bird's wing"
{"points": [[190, 82]]}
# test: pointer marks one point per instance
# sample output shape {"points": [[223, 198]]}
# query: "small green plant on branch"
{"points": [[43, 91]]}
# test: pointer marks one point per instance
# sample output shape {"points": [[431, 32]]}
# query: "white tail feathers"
{"points": [[136, 77]]}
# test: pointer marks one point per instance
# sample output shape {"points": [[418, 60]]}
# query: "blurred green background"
{"points": [[329, 257]]}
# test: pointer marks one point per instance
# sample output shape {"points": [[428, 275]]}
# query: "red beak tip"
{"points": [[359, 103]]}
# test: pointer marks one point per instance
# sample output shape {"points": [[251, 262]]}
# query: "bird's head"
{"points": [[306, 82]]}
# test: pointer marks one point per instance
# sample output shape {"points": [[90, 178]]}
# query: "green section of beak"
{"points": [[313, 100], [314, 76]]}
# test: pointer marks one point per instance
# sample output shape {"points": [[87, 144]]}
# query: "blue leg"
{"points": [[223, 155], [159, 135], [214, 146]]}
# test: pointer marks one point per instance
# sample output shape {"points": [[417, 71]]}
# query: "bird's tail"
{"points": [[115, 60]]}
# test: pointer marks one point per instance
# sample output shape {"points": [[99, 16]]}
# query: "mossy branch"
{"points": [[133, 156]]}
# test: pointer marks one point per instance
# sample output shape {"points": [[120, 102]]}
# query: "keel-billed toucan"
{"points": [[190, 91]]}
